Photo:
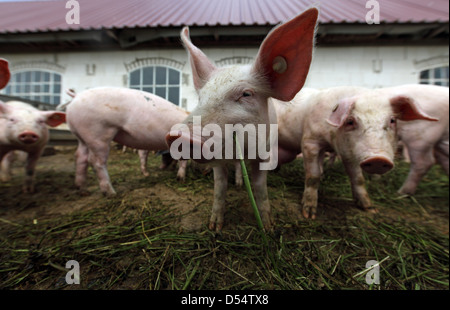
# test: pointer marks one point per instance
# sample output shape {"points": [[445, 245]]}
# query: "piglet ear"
{"points": [[4, 73], [286, 53], [55, 118], [3, 108], [341, 112], [407, 110], [202, 68]]}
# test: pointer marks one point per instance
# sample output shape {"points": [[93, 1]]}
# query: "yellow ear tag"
{"points": [[279, 64]]}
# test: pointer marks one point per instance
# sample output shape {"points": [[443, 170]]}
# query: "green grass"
{"points": [[136, 240]]}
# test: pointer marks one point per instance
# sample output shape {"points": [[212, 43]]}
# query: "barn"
{"points": [[55, 45]]}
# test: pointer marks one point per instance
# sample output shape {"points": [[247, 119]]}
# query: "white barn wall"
{"points": [[332, 66], [370, 66]]}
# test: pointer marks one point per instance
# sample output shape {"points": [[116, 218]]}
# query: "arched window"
{"points": [[159, 80], [38, 85], [435, 76]]}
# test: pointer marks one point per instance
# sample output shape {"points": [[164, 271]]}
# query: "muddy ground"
{"points": [[154, 233]]}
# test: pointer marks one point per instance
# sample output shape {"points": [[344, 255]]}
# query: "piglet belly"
{"points": [[142, 142], [285, 156]]}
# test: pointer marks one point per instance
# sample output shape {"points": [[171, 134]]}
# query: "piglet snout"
{"points": [[377, 165], [28, 137], [185, 139]]}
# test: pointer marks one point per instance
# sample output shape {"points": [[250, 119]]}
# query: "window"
{"points": [[162, 81], [42, 86], [435, 76]]}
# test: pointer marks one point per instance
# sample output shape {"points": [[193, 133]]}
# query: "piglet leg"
{"points": [[312, 165], [5, 168], [359, 191], [98, 157], [220, 191], [143, 156], [81, 164], [237, 175], [181, 174], [259, 183], [421, 162], [30, 167], [441, 154]]}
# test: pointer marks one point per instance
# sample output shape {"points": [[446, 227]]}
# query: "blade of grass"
{"points": [[249, 191]]}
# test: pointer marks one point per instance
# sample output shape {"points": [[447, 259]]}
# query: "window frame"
{"points": [[152, 88], [33, 89], [431, 78]]}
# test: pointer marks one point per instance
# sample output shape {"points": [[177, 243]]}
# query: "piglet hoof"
{"points": [[371, 210], [145, 173], [267, 222], [309, 212], [109, 194], [217, 227], [405, 192], [181, 178], [238, 183]]}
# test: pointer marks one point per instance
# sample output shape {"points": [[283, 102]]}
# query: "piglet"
{"points": [[426, 142], [130, 117], [358, 124], [238, 95], [23, 127]]}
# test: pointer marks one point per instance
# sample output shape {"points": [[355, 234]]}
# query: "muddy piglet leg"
{"points": [[181, 174], [30, 167], [220, 191], [421, 161], [312, 165], [259, 184], [81, 164], [143, 156], [359, 191], [5, 168]]}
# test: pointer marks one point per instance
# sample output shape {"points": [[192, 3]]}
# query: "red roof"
{"points": [[43, 16]]}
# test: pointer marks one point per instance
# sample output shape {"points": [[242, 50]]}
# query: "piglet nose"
{"points": [[172, 136], [28, 137], [377, 164], [194, 145]]}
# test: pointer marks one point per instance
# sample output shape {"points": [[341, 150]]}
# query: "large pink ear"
{"points": [[202, 68], [406, 109], [286, 53], [341, 112], [4, 73], [54, 118]]}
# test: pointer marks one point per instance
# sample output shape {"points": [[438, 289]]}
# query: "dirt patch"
{"points": [[153, 234]]}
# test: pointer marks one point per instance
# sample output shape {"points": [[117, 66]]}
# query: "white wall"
{"points": [[332, 66], [372, 66]]}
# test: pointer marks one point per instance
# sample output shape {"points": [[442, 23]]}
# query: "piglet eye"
{"points": [[350, 122], [393, 120], [246, 94]]}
